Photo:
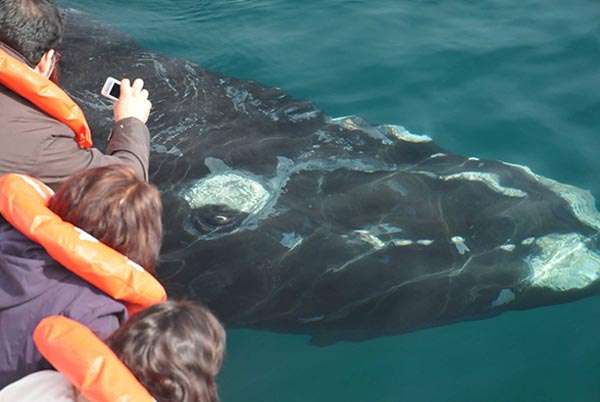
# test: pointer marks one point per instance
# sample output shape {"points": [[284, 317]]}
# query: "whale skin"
{"points": [[282, 218]]}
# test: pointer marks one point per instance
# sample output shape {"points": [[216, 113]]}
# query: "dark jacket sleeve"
{"points": [[60, 157]]}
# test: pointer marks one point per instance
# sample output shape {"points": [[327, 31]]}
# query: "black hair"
{"points": [[175, 349], [31, 27]]}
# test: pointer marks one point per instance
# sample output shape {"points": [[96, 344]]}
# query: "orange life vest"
{"points": [[23, 203], [87, 362], [46, 95]]}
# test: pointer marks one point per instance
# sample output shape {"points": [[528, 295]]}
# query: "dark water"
{"points": [[517, 80]]}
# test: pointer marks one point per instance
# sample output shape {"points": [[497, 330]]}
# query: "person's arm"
{"points": [[129, 143], [60, 157]]}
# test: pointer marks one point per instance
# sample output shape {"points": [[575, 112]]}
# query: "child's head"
{"points": [[116, 207], [175, 349]]}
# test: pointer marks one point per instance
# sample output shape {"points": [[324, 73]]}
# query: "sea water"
{"points": [[516, 80]]}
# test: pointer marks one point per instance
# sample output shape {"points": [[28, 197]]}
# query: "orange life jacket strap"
{"points": [[46, 95], [87, 362], [23, 203]]}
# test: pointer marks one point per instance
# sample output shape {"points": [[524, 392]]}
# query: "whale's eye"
{"points": [[219, 204], [216, 219], [221, 219]]}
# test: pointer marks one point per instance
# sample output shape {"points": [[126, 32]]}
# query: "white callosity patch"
{"points": [[370, 238], [508, 247], [232, 190], [240, 97], [564, 263], [403, 134], [297, 114], [504, 297], [291, 240], [461, 245], [385, 133], [355, 123], [382, 229], [403, 243], [373, 235], [528, 241], [491, 180], [581, 202]]}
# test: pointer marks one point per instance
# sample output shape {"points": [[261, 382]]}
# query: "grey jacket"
{"points": [[35, 144]]}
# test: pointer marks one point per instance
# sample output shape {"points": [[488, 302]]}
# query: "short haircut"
{"points": [[175, 349], [31, 27], [116, 207]]}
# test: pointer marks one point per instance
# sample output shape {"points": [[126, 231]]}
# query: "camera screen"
{"points": [[115, 91]]}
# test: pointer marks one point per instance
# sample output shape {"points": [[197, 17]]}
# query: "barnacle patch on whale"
{"points": [[386, 133], [491, 180], [505, 296], [564, 262], [403, 134], [461, 245], [231, 189], [222, 201]]}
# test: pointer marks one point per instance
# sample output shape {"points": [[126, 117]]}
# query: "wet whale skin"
{"points": [[280, 217]]}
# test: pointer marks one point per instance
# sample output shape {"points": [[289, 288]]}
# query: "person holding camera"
{"points": [[32, 140]]}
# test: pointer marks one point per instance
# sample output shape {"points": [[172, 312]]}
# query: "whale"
{"points": [[280, 217]]}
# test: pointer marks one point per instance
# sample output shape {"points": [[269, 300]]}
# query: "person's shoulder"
{"points": [[42, 386], [31, 116], [26, 134], [15, 243], [41, 275], [89, 304], [93, 296]]}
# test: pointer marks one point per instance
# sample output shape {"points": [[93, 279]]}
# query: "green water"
{"points": [[517, 80]]}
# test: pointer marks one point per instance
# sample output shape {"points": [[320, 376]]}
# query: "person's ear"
{"points": [[46, 64]]}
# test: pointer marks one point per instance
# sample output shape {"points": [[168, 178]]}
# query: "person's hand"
{"points": [[133, 101]]}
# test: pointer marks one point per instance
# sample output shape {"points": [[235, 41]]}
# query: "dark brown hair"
{"points": [[116, 207], [31, 27], [175, 349]]}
